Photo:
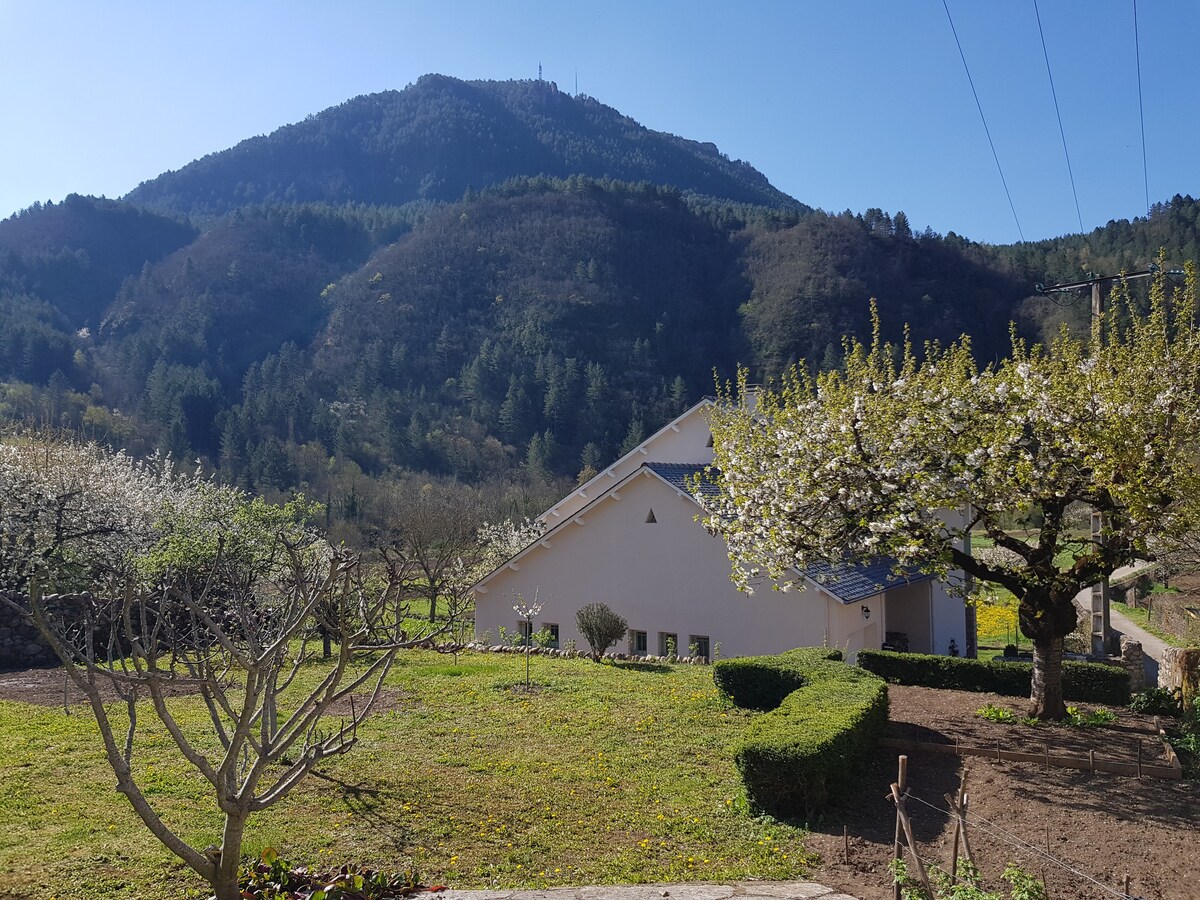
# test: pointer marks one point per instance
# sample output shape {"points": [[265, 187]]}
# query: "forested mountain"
{"points": [[524, 331], [440, 137]]}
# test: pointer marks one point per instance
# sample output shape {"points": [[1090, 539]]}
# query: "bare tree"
{"points": [[242, 656], [432, 537]]}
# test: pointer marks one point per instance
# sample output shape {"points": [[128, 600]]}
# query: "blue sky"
{"points": [[844, 104]]}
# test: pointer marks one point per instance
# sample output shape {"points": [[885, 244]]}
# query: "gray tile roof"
{"points": [[848, 582], [681, 476]]}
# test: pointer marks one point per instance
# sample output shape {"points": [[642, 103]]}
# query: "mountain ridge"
{"points": [[440, 137]]}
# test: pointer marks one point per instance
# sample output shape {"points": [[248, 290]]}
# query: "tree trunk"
{"points": [[1046, 696], [225, 887]]}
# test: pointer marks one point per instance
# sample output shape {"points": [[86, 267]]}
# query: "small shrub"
{"points": [[1096, 719], [968, 885], [273, 879], [600, 626], [1157, 702], [1010, 650], [994, 713]]}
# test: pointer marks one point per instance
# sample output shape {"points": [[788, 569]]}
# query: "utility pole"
{"points": [[1102, 635]]}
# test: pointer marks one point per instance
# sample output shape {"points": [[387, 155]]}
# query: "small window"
{"points": [[553, 629], [525, 627], [710, 441], [698, 645], [637, 643], [650, 519], [668, 644]]}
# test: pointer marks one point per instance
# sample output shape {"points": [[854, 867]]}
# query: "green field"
{"points": [[602, 774]]}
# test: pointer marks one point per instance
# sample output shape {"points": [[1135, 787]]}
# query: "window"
{"points": [[700, 644], [525, 627], [650, 519], [637, 643], [668, 644], [553, 629]]}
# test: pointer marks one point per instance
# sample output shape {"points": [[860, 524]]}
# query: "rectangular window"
{"points": [[698, 645], [637, 643], [668, 644], [525, 628], [553, 629]]}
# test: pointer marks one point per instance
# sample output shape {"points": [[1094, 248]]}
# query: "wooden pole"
{"points": [[902, 784], [846, 841], [956, 801], [966, 800], [912, 843]]}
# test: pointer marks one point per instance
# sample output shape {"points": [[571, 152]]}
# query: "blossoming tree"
{"points": [[866, 462]]}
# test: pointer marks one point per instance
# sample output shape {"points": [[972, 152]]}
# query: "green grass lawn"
{"points": [[602, 774]]}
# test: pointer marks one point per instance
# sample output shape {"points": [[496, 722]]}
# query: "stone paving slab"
{"points": [[742, 890]]}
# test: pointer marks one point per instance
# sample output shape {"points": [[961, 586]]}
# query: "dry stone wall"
{"points": [[21, 646]]}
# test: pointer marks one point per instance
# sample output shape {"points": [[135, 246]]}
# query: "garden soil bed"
{"points": [[1103, 826]]}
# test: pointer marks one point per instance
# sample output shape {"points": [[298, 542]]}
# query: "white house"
{"points": [[630, 538]]}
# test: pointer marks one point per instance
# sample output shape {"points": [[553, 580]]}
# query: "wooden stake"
{"points": [[1127, 886], [898, 789], [912, 843], [846, 840], [966, 843], [956, 809]]}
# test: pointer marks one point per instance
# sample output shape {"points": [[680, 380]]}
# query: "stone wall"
{"points": [[1180, 668], [21, 646], [1134, 661]]}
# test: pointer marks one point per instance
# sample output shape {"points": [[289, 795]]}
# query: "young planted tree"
{"points": [[219, 607], [600, 626], [904, 457]]}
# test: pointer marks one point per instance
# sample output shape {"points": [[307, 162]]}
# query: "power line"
{"points": [[987, 131], [1054, 94], [1137, 52]]}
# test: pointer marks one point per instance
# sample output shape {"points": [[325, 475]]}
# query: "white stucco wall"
{"points": [[909, 610], [949, 621], [671, 576], [684, 440]]}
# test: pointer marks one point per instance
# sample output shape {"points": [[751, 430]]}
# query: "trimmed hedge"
{"points": [[814, 744], [761, 682], [1087, 682]]}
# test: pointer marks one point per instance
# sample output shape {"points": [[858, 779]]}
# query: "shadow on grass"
{"points": [[372, 805]]}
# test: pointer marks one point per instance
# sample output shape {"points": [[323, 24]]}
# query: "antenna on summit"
{"points": [[539, 71], [576, 82]]}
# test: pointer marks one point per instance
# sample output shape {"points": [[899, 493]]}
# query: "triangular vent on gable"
{"points": [[710, 441], [650, 520]]}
